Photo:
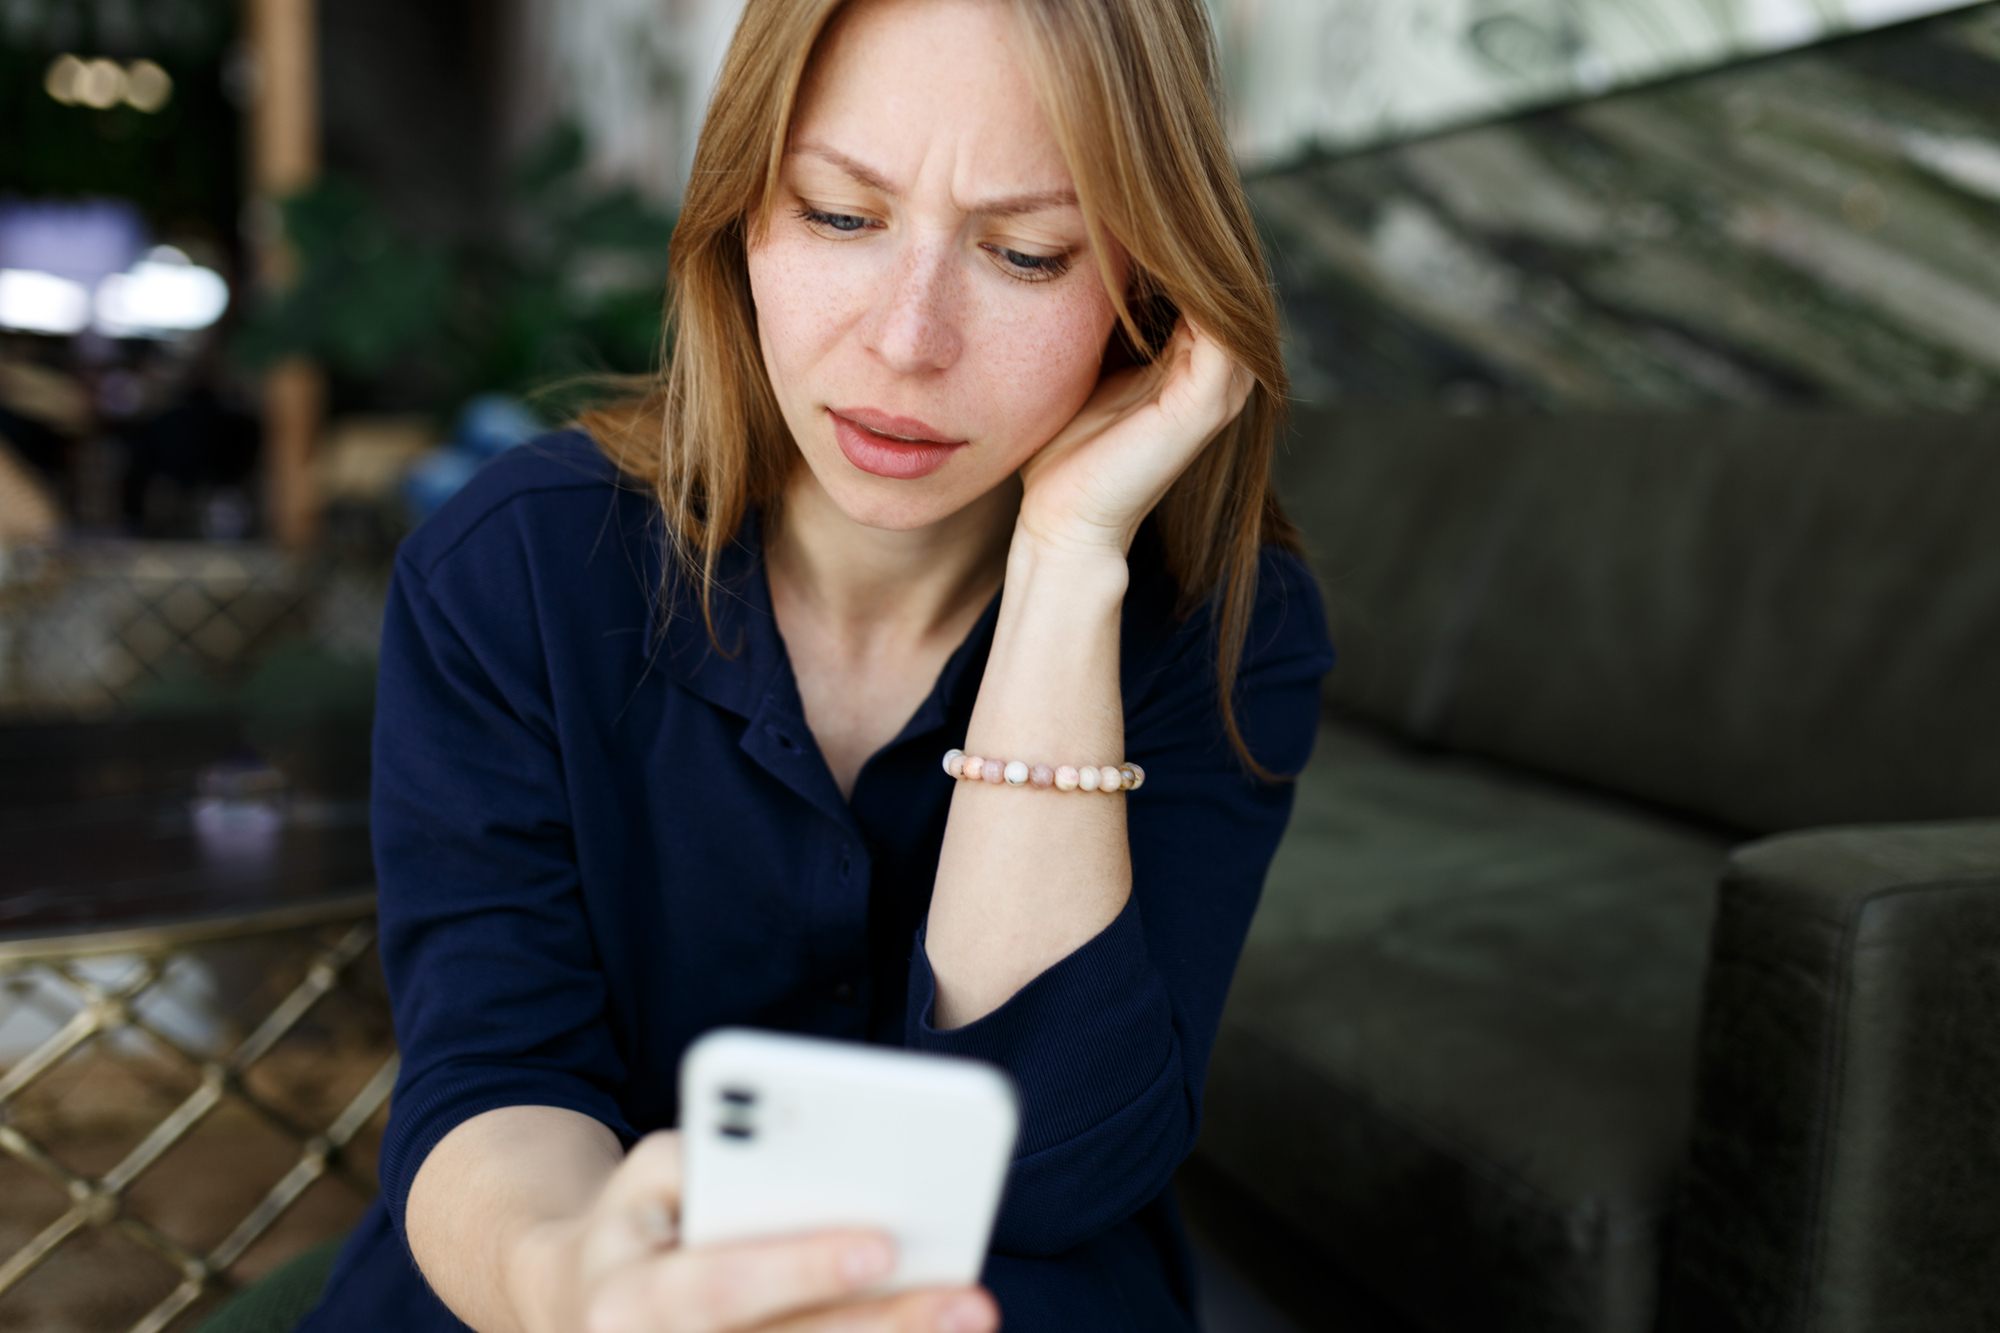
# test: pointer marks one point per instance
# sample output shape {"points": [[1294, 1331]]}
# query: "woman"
{"points": [[658, 745]]}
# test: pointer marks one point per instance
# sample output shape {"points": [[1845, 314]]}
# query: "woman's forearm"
{"points": [[486, 1198], [1027, 875]]}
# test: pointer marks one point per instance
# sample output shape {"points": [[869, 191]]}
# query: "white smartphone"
{"points": [[784, 1134]]}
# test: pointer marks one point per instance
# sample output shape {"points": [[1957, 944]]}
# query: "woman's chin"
{"points": [[898, 513], [902, 506]]}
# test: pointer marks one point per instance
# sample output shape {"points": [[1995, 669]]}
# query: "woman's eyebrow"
{"points": [[866, 175], [1035, 201], [1009, 205]]}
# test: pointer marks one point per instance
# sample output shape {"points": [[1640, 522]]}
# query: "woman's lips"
{"points": [[901, 448]]}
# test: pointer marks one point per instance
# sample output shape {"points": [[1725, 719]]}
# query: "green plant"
{"points": [[567, 287]]}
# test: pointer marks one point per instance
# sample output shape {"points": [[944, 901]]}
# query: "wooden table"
{"points": [[110, 848]]}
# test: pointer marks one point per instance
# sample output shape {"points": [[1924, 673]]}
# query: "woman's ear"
{"points": [[1156, 317]]}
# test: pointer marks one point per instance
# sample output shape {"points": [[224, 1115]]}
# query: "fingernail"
{"points": [[867, 1261], [655, 1223], [967, 1314]]}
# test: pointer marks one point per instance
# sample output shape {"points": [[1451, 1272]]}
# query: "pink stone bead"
{"points": [[1086, 778], [1067, 778], [993, 770], [954, 762], [1138, 776], [972, 767], [1126, 779], [1041, 775]]}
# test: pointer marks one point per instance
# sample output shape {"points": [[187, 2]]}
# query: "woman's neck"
{"points": [[870, 617], [865, 584]]}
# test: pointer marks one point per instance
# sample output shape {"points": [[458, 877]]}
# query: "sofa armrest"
{"points": [[1844, 1169]]}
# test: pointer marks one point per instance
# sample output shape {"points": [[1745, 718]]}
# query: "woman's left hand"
{"points": [[1091, 486]]}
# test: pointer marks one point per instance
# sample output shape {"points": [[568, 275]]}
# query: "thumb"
{"points": [[640, 1205]]}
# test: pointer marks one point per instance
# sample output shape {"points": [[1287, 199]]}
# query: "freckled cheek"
{"points": [[803, 307], [1042, 363]]}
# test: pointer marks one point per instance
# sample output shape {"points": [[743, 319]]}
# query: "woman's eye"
{"points": [[841, 222], [1034, 268]]}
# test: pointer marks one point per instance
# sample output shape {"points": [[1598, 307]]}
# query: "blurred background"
{"points": [[276, 278]]}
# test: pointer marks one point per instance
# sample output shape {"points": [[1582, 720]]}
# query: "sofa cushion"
{"points": [[1779, 621], [1459, 1050]]}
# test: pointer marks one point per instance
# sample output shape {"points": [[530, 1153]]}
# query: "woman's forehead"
{"points": [[902, 92]]}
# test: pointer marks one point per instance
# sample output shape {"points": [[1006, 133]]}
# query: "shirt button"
{"points": [[845, 993]]}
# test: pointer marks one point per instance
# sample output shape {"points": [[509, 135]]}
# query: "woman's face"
{"points": [[927, 301]]}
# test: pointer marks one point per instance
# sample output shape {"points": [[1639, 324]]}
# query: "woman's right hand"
{"points": [[619, 1268]]}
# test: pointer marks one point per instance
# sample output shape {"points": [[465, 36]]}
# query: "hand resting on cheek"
{"points": [[1091, 486]]}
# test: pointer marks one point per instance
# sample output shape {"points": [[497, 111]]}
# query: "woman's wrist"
{"points": [[1089, 569], [1050, 685]]}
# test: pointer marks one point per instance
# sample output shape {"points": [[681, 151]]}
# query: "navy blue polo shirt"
{"points": [[599, 834]]}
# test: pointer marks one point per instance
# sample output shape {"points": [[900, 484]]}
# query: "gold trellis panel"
{"points": [[87, 629], [109, 1010]]}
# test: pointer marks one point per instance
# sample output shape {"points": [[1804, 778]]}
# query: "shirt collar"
{"points": [[750, 673], [733, 668]]}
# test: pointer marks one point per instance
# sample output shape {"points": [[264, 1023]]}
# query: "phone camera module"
{"points": [[739, 1114]]}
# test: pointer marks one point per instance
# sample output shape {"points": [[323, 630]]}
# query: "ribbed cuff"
{"points": [[1083, 1040], [422, 1114]]}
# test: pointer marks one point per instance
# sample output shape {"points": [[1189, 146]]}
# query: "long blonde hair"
{"points": [[1130, 89]]}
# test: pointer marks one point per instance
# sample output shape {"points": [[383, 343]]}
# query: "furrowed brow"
{"points": [[1010, 205], [860, 171]]}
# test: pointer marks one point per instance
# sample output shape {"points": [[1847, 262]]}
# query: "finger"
{"points": [[1241, 383], [653, 1167], [1236, 379], [1186, 333], [1202, 395], [644, 1194], [720, 1287], [936, 1310]]}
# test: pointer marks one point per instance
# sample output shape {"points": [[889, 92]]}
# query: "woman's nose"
{"points": [[915, 328]]}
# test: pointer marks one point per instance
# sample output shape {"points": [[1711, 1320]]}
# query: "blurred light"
{"points": [[65, 72], [101, 86], [35, 302], [161, 294], [1969, 163], [227, 517], [491, 424], [436, 477], [241, 810], [147, 86], [81, 240]]}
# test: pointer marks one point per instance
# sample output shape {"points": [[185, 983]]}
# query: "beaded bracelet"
{"points": [[1015, 773]]}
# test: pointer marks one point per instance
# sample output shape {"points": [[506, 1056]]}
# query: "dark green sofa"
{"points": [[1633, 960]]}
